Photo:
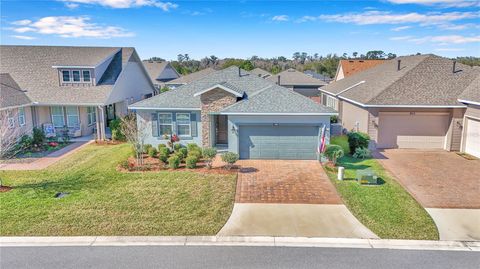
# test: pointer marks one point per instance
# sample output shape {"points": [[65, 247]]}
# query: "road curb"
{"points": [[95, 241]]}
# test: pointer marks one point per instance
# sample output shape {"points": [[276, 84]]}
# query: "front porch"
{"points": [[219, 132]]}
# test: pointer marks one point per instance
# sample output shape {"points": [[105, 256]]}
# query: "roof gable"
{"points": [[10, 93], [353, 66]]}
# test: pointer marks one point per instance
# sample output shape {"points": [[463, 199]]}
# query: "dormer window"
{"points": [[86, 75], [66, 76], [73, 76], [76, 75]]}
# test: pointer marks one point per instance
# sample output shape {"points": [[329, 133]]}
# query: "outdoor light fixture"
{"points": [[275, 124], [234, 130]]}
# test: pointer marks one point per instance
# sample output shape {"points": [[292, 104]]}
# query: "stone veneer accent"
{"points": [[213, 101]]}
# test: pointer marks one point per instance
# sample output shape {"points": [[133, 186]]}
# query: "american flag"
{"points": [[321, 140]]}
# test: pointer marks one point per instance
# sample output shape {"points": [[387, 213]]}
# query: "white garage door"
{"points": [[412, 130], [472, 138]]}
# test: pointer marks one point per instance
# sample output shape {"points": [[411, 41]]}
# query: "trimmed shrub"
{"points": [[161, 146], [38, 136], [174, 162], [357, 140], [25, 142], [333, 153], [195, 153], [163, 155], [191, 162], [183, 152], [177, 147], [147, 147], [362, 153], [342, 141], [152, 152], [208, 155], [115, 127], [230, 158], [192, 146]]}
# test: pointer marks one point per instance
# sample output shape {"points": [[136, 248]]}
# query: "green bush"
{"points": [[25, 142], [208, 155], [230, 158], [163, 154], [195, 153], [357, 140], [115, 127], [177, 147], [192, 146], [342, 141], [334, 119], [334, 152], [362, 153], [152, 152], [161, 146], [191, 162], [147, 147], [38, 136], [174, 162], [183, 152]]}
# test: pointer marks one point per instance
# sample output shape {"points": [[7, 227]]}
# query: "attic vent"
{"points": [[398, 65], [454, 65]]}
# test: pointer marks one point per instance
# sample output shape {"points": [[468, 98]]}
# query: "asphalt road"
{"points": [[231, 257]]}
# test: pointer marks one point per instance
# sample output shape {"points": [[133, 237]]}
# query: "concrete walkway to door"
{"points": [[289, 198]]}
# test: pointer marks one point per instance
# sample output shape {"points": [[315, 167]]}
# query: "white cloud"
{"points": [[22, 22], [24, 37], [449, 49], [441, 40], [380, 17], [280, 18], [401, 28], [456, 27], [166, 6], [66, 26], [307, 18], [444, 3], [396, 38], [72, 5]]}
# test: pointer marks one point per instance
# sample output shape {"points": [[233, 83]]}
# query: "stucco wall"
{"points": [[132, 82], [146, 116], [44, 116], [351, 114], [237, 121]]}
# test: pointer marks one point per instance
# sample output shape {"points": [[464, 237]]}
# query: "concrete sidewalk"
{"points": [[456, 223], [48, 160]]}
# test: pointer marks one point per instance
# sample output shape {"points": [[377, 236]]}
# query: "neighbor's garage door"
{"points": [[415, 130], [472, 138], [290, 142]]}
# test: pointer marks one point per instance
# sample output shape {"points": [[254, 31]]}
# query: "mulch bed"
{"points": [[5, 188], [154, 165]]}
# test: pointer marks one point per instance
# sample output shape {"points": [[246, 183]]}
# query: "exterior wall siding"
{"points": [[353, 114], [6, 133], [472, 112]]}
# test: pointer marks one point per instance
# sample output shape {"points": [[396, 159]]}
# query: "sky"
{"points": [[243, 29]]}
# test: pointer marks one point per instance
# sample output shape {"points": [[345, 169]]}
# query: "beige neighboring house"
{"points": [[75, 89], [471, 121], [160, 72], [183, 80], [350, 67], [407, 102], [260, 72], [299, 82], [15, 112]]}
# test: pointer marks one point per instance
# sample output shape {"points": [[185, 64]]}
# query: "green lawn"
{"points": [[387, 209], [342, 141], [103, 201]]}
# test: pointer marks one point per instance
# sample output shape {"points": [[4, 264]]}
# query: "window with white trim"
{"points": [[86, 75], [58, 117], [184, 125], [91, 115], [10, 119], [21, 116], [165, 123], [332, 102], [73, 117], [76, 75], [66, 76]]}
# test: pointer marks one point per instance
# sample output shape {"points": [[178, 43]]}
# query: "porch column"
{"points": [[100, 117]]}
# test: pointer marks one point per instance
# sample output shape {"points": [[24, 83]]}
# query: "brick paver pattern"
{"points": [[284, 181], [437, 179]]}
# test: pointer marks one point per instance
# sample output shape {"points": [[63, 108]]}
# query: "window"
{"points": [[331, 102], [21, 116], [73, 117], [183, 124], [11, 120], [76, 75], [92, 115], [166, 124], [86, 75], [66, 76], [58, 118]]}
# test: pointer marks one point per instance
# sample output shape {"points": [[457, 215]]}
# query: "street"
{"points": [[231, 257]]}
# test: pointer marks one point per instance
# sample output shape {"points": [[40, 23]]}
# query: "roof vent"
{"points": [[454, 65], [398, 65], [239, 71], [278, 80]]}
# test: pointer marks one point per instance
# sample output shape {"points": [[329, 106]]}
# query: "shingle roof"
{"points": [[351, 67], [423, 80], [292, 77], [472, 92], [191, 77], [155, 68], [32, 68], [316, 75], [260, 72], [277, 99], [261, 95], [10, 93]]}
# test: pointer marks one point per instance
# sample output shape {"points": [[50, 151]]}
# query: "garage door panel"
{"points": [[472, 137], [412, 131], [278, 142]]}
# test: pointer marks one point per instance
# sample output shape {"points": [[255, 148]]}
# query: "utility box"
{"points": [[341, 173]]}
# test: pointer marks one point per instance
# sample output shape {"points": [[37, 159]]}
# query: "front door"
{"points": [[221, 129]]}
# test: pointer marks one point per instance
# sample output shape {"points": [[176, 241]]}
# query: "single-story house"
{"points": [[299, 82], [15, 112], [471, 120], [75, 89], [172, 84], [407, 102], [260, 72], [318, 76], [234, 110], [350, 67], [160, 72]]}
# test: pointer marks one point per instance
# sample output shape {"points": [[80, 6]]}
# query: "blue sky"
{"points": [[245, 28]]}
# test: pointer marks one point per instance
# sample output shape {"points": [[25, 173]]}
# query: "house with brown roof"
{"points": [[299, 82], [350, 67], [409, 102], [160, 72], [73, 89]]}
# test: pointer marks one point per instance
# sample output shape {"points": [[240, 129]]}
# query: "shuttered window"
{"points": [[165, 123], [183, 124]]}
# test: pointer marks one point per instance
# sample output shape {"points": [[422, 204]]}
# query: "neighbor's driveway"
{"points": [[446, 184], [289, 198]]}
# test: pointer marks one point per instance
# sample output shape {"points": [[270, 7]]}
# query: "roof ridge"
{"points": [[248, 97]]}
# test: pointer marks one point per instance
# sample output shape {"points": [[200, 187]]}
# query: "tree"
{"points": [[375, 54], [355, 54], [135, 133], [156, 59], [9, 134]]}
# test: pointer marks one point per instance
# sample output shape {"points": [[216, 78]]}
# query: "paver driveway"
{"points": [[289, 198], [447, 185]]}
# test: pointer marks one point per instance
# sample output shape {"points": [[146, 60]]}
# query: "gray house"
{"points": [[299, 82], [234, 110], [172, 84], [160, 72]]}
